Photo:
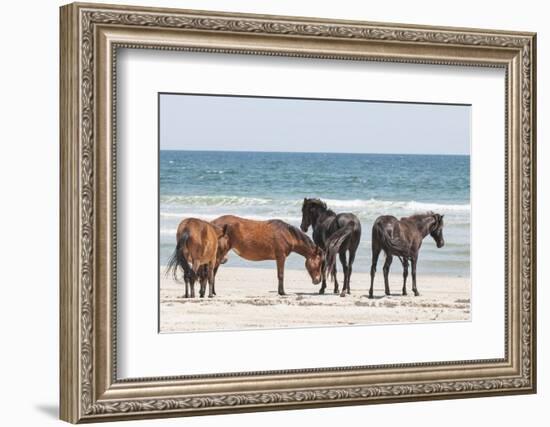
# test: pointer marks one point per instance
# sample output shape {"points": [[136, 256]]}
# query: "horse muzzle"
{"points": [[316, 281], [440, 244]]}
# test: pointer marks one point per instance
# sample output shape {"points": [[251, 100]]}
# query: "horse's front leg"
{"points": [[375, 255], [214, 285], [413, 268], [211, 280], [281, 273], [323, 279], [405, 263], [386, 269]]}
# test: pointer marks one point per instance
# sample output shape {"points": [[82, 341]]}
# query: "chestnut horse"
{"points": [[271, 240], [200, 249], [403, 239]]}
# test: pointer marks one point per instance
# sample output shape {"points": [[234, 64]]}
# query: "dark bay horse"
{"points": [[335, 234], [271, 240], [200, 248], [403, 239]]}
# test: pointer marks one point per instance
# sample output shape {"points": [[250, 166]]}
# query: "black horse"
{"points": [[403, 239], [335, 234]]}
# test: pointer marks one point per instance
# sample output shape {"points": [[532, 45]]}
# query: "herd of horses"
{"points": [[202, 246]]}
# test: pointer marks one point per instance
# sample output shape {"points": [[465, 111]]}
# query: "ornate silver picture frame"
{"points": [[91, 36]]}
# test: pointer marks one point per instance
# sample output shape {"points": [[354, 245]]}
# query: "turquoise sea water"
{"points": [[259, 185]]}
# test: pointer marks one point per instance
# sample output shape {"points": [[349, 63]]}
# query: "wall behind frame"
{"points": [[29, 177]]}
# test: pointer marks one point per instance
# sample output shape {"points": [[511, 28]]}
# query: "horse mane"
{"points": [[296, 232], [419, 215], [319, 203], [300, 235]]}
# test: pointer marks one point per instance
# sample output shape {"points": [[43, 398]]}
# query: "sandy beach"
{"points": [[247, 299]]}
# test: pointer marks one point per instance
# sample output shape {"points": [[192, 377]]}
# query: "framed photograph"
{"points": [[266, 212]]}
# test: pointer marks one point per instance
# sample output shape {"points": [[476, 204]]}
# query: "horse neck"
{"points": [[423, 225], [303, 248], [321, 216]]}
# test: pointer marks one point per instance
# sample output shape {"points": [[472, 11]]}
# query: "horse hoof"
{"points": [[371, 296], [321, 291], [343, 294], [211, 296], [416, 294], [282, 294], [336, 291]]}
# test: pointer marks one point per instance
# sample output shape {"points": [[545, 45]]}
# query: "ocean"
{"points": [[263, 185]]}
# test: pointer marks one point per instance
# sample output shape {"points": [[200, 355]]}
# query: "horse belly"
{"points": [[253, 254]]}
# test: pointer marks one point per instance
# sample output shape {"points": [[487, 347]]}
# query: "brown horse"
{"points": [[201, 247], [271, 240], [403, 239]]}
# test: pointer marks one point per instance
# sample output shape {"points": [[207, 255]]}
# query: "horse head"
{"points": [[224, 244], [436, 230], [310, 209], [314, 265]]}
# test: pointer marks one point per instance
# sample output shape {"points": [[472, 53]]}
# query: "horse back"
{"points": [[346, 219], [251, 239], [202, 243]]}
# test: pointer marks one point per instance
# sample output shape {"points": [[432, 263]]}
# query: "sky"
{"points": [[233, 123]]}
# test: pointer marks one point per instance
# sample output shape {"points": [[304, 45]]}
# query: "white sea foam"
{"points": [[215, 200], [388, 204], [357, 204], [210, 216]]}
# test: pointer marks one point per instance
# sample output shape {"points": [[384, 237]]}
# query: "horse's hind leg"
{"points": [[386, 269], [375, 255], [323, 278], [350, 263], [345, 268], [186, 279], [405, 262], [192, 280], [202, 290], [281, 274], [188, 276], [336, 285], [202, 280]]}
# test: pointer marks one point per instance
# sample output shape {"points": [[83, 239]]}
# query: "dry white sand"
{"points": [[247, 299]]}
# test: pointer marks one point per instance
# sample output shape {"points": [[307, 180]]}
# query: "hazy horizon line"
{"points": [[314, 152]]}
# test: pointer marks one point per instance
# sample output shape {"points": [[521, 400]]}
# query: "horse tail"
{"points": [[333, 245], [386, 242], [178, 260]]}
